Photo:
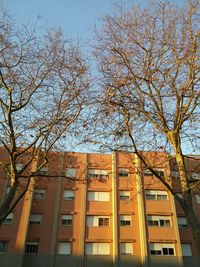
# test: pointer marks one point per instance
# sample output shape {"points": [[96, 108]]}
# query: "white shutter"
{"points": [[103, 249], [125, 217], [102, 172], [98, 196], [64, 248], [89, 249], [90, 220], [68, 194], [35, 217], [71, 172], [127, 248], [182, 220], [186, 250], [125, 193], [198, 199], [104, 196]]}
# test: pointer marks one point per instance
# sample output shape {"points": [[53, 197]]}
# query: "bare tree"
{"points": [[149, 65], [43, 92]]}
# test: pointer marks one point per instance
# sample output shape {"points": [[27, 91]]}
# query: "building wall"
{"points": [[123, 175]]}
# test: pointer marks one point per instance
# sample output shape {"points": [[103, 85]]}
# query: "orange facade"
{"points": [[109, 211]]}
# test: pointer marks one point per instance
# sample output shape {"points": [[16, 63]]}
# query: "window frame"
{"points": [[123, 196], [4, 246], [158, 220], [123, 246], [96, 248], [70, 198], [39, 194], [34, 221], [98, 221], [160, 249], [9, 219], [68, 221], [186, 249], [71, 172], [31, 247], [98, 174], [99, 196], [123, 172], [157, 195], [69, 252], [183, 224], [127, 222]]}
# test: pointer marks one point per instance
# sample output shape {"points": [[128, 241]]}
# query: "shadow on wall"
{"points": [[10, 260]]}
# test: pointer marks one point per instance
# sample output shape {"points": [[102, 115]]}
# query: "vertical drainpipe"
{"points": [[83, 211], [141, 215], [52, 253], [115, 256], [24, 218]]}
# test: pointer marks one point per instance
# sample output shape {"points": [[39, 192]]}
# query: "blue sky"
{"points": [[75, 17]]}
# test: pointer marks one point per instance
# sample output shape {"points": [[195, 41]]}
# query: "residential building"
{"points": [[98, 210]]}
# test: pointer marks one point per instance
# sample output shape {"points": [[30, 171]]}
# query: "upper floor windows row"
{"points": [[156, 195]]}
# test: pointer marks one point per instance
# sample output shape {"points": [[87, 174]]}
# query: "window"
{"points": [[124, 195], [67, 220], [3, 246], [160, 249], [9, 218], [195, 175], [180, 195], [175, 174], [98, 221], [43, 171], [123, 172], [98, 174], [160, 221], [19, 166], [68, 195], [198, 199], [125, 220], [186, 249], [31, 248], [64, 248], [39, 194], [97, 249], [35, 218], [182, 222], [126, 248], [159, 172], [98, 196], [156, 195], [71, 172]]}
